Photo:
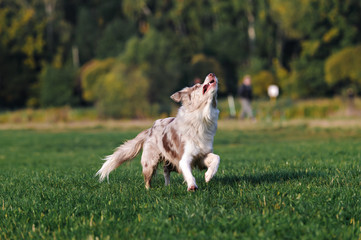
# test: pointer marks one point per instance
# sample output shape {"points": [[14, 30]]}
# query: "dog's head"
{"points": [[199, 95]]}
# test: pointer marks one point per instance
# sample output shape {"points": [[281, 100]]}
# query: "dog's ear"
{"points": [[178, 96]]}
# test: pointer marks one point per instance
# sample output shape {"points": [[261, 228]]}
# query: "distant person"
{"points": [[245, 94]]}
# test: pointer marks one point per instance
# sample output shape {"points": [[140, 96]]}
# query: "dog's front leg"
{"points": [[211, 161], [185, 166]]}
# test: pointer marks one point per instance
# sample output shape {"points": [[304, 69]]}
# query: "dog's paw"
{"points": [[192, 188], [208, 175]]}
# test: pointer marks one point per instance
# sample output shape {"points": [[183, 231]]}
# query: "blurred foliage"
{"points": [[21, 44], [311, 109], [200, 65], [154, 54], [261, 81], [282, 77], [113, 39], [92, 74], [107, 84], [287, 109], [119, 97], [86, 34], [307, 79], [344, 65], [49, 115], [282, 109], [304, 46], [57, 86], [22, 31]]}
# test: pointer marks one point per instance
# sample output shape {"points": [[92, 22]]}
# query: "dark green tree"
{"points": [[86, 34], [57, 86]]}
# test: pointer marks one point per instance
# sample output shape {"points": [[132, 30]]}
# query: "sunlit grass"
{"points": [[273, 183]]}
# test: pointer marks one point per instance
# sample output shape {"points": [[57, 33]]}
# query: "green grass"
{"points": [[286, 183]]}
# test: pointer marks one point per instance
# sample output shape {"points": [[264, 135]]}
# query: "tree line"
{"points": [[126, 57]]}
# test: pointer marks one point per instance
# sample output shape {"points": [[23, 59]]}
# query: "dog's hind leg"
{"points": [[211, 161], [168, 168], [166, 175], [150, 158]]}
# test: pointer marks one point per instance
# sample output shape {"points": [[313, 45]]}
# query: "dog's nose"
{"points": [[211, 75]]}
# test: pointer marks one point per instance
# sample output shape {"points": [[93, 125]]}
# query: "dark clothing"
{"points": [[245, 92]]}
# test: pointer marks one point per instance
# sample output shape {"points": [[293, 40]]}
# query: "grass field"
{"points": [[277, 183]]}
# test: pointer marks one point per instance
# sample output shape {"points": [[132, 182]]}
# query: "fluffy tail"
{"points": [[124, 152]]}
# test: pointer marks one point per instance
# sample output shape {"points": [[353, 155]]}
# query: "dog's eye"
{"points": [[211, 81]]}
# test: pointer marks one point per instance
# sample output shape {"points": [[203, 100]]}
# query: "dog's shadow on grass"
{"points": [[271, 177]]}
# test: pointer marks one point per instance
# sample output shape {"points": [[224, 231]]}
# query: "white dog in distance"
{"points": [[182, 143]]}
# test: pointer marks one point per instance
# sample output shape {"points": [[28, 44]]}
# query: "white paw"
{"points": [[209, 174], [192, 188]]}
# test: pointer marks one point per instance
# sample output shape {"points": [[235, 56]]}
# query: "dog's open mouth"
{"points": [[207, 86]]}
